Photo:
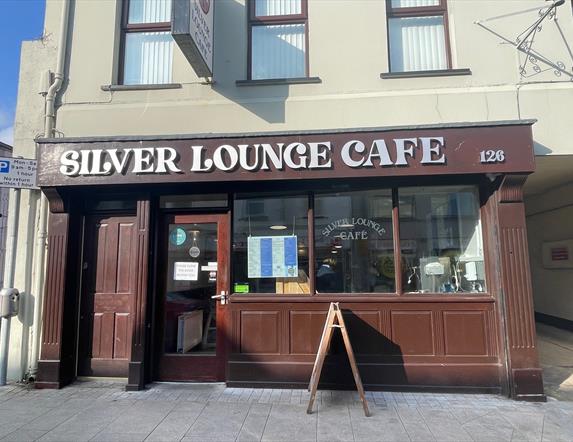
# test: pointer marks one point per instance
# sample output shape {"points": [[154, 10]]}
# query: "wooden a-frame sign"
{"points": [[334, 320]]}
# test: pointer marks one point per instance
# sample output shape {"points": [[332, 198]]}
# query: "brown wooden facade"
{"points": [[482, 342]]}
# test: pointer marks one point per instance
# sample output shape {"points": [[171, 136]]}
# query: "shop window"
{"points": [[278, 35], [441, 240], [270, 245], [147, 45], [418, 35], [353, 242]]}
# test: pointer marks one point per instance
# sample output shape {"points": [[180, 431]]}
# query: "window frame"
{"points": [[134, 28], [441, 9], [399, 292], [269, 20]]}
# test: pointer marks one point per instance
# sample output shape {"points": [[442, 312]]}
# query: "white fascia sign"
{"points": [[192, 30]]}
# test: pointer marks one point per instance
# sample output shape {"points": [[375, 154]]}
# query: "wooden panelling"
{"points": [[260, 332], [305, 331], [465, 333], [413, 332], [364, 331], [124, 278], [122, 342], [107, 296]]}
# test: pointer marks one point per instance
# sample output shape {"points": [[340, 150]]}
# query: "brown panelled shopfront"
{"points": [[214, 258]]}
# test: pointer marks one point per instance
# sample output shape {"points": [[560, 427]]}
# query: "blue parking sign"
{"points": [[4, 166]]}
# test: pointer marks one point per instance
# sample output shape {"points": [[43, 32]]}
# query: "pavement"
{"points": [[101, 410], [555, 348]]}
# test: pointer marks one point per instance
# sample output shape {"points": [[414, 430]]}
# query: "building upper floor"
{"points": [[309, 64]]}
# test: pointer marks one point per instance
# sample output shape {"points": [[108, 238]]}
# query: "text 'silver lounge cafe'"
{"points": [[215, 257]]}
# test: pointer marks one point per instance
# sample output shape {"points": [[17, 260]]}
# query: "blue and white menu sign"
{"points": [[272, 257]]}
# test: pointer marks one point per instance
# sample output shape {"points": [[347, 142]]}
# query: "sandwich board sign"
{"points": [[18, 173]]}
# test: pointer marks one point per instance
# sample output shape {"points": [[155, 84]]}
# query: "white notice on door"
{"points": [[186, 271]]}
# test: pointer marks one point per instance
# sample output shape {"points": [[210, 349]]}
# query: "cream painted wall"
{"points": [[549, 218], [348, 51]]}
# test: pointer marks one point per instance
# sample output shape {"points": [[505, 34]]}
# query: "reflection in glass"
{"points": [[441, 240], [278, 51], [353, 242], [270, 237], [148, 57], [417, 44], [190, 313]]}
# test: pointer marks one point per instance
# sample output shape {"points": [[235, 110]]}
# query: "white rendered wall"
{"points": [[549, 218]]}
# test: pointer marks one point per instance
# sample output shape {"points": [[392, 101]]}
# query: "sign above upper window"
{"points": [[192, 30]]}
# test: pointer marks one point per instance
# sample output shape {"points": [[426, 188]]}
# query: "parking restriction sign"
{"points": [[18, 173]]}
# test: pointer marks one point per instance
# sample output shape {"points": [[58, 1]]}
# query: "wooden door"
{"points": [[193, 260], [108, 290]]}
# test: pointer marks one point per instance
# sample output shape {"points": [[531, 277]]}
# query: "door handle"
{"points": [[222, 296]]}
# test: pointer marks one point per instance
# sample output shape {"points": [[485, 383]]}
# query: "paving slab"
{"points": [[104, 411]]}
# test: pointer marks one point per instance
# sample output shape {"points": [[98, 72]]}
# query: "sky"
{"points": [[19, 20]]}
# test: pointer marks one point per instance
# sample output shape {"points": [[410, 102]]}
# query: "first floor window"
{"points": [[417, 35], [147, 42], [278, 38]]}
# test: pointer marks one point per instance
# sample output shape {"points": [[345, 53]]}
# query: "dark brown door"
{"points": [[108, 286], [193, 267]]}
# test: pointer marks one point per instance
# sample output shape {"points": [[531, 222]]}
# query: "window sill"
{"points": [[279, 81], [416, 74], [139, 87], [361, 297]]}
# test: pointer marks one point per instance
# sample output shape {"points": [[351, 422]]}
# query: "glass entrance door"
{"points": [[193, 285]]}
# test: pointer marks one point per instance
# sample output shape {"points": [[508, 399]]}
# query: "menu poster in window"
{"points": [[272, 257], [186, 271]]}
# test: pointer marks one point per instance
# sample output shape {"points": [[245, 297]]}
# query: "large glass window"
{"points": [[352, 247], [270, 245], [147, 43], [353, 242], [278, 36], [417, 35], [441, 240]]}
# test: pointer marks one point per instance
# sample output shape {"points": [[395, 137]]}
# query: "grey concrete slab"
{"points": [[384, 424], [288, 422], [52, 418], [24, 435], [414, 424], [334, 423], [119, 437], [177, 422], [557, 426], [218, 421], [202, 412], [489, 427], [255, 423], [443, 424]]}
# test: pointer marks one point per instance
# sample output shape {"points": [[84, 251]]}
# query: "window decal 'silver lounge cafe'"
{"points": [[215, 257]]}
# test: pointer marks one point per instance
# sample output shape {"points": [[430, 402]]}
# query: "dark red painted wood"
{"points": [[108, 289]]}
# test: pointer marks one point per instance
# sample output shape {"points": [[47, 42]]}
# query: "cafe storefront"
{"points": [[215, 258]]}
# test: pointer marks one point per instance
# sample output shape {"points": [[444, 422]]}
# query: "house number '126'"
{"points": [[492, 156]]}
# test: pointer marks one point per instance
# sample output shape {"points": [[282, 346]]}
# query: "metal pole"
{"points": [[9, 283]]}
